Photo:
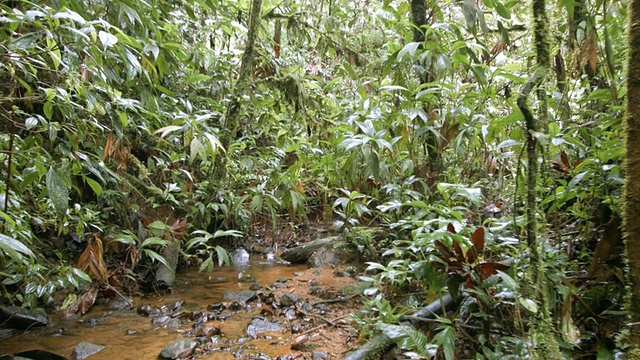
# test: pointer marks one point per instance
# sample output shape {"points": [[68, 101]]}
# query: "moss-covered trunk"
{"points": [[232, 116], [632, 182]]}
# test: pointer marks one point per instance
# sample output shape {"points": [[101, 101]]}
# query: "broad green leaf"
{"points": [[446, 338], [197, 150], [157, 227], [58, 190], [223, 256], [214, 142], [157, 257], [529, 304], [409, 49], [167, 130], [11, 246], [502, 10], [70, 15], [107, 39], [153, 241], [82, 275], [95, 186], [126, 239], [233, 233]]}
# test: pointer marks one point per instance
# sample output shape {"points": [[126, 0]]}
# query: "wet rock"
{"points": [[306, 307], [37, 355], [319, 355], [216, 307], [85, 349], [255, 287], [289, 300], [208, 331], [239, 257], [241, 296], [120, 303], [145, 309], [179, 349], [338, 254], [6, 333], [290, 314], [260, 325], [160, 320], [21, 318], [131, 332], [218, 279]]}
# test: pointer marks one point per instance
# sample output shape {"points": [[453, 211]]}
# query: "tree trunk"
{"points": [[632, 182], [232, 116], [542, 334]]}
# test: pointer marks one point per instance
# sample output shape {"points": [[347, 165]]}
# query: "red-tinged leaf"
{"points": [[565, 159], [472, 255], [578, 162], [558, 166], [490, 268], [458, 251], [477, 238], [451, 228], [447, 255]]}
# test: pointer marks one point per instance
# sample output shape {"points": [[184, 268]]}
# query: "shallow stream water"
{"points": [[127, 335]]}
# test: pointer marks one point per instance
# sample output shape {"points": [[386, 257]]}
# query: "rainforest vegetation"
{"points": [[472, 152]]}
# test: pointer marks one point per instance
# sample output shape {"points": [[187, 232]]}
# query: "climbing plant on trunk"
{"points": [[632, 182], [232, 117], [544, 341]]}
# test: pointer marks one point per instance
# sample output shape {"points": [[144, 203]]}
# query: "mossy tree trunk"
{"points": [[232, 116], [544, 344], [632, 181], [419, 19]]}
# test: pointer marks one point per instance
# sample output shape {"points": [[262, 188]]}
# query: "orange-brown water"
{"points": [[127, 335]]}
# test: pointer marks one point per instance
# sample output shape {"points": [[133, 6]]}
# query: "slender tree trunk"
{"points": [[632, 181], [545, 345], [232, 116], [435, 166]]}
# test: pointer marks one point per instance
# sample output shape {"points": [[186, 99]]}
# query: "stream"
{"points": [[133, 334]]}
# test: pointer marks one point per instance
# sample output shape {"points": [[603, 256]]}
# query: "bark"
{"points": [[232, 116], [632, 181], [541, 333]]}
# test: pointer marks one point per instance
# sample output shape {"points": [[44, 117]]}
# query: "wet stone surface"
{"points": [[85, 349]]}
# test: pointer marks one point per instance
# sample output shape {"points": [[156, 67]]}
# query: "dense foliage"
{"points": [[117, 117]]}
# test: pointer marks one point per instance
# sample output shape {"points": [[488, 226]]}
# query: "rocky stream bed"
{"points": [[259, 309]]}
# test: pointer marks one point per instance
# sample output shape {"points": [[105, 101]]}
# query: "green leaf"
{"points": [[157, 257], [502, 10], [95, 186], [82, 275], [410, 49], [529, 304], [12, 246], [153, 241], [197, 150], [157, 227], [58, 190], [233, 233], [223, 256], [107, 39], [446, 338], [127, 239]]}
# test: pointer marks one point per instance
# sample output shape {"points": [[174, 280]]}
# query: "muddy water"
{"points": [[127, 335]]}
